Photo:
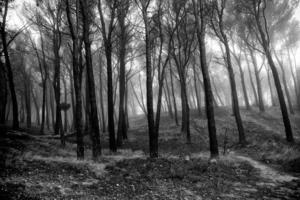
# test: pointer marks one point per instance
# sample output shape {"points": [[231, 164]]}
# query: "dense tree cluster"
{"points": [[85, 66]]}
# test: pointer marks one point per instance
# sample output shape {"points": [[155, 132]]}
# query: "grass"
{"points": [[40, 167]]}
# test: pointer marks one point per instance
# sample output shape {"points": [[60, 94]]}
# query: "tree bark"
{"points": [[251, 80], [196, 90], [285, 84], [271, 90], [3, 93], [266, 47], [213, 143], [258, 82], [246, 99], [91, 84], [9, 69], [173, 95], [153, 137]]}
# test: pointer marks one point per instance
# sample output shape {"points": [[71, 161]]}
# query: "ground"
{"points": [[36, 167]]}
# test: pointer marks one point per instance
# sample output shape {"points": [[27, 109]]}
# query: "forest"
{"points": [[149, 99]]}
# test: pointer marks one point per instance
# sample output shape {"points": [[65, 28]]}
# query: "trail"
{"points": [[266, 172]]}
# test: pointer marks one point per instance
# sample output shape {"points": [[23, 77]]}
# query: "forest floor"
{"points": [[36, 167]]}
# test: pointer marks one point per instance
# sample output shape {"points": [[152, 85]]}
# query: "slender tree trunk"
{"points": [[251, 80], [52, 105], [185, 125], [22, 109], [27, 88], [285, 115], [173, 95], [271, 90], [8, 110], [91, 84], [235, 101], [36, 106], [110, 100], [77, 77], [209, 107], [196, 91], [72, 100], [217, 92], [10, 74], [258, 82], [47, 107], [168, 99], [153, 137], [294, 76], [122, 83], [3, 93], [65, 110], [285, 85], [43, 105], [126, 110], [243, 82]]}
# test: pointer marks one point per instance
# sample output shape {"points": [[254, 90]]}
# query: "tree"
{"points": [[73, 22], [122, 12], [5, 45], [85, 8], [107, 34], [217, 24], [200, 13], [183, 45], [153, 137], [255, 11]]}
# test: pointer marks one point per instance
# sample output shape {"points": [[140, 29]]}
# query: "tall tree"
{"points": [[153, 137], [5, 45], [86, 13], [107, 34], [73, 22], [217, 24], [122, 12], [200, 12], [255, 11]]}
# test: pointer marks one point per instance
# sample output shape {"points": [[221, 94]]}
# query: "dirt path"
{"points": [[266, 172]]}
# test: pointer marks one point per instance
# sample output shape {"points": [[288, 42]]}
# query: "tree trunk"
{"points": [[37, 109], [185, 124], [196, 90], [153, 137], [235, 101], [27, 88], [251, 80], [10, 75], [56, 85], [43, 105], [110, 100], [52, 105], [294, 76], [122, 83], [91, 84], [285, 115], [285, 85], [238, 60], [168, 100], [3, 93], [213, 143], [173, 95], [47, 106], [126, 110], [77, 78], [271, 90], [65, 110], [217, 93], [258, 82]]}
